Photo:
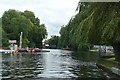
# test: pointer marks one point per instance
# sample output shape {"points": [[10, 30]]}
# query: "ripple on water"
{"points": [[54, 64], [56, 75]]}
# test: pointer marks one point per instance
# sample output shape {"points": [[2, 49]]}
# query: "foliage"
{"points": [[83, 47], [53, 42], [14, 22], [3, 38], [72, 34], [95, 23]]}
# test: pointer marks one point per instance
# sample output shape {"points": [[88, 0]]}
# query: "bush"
{"points": [[83, 47]]}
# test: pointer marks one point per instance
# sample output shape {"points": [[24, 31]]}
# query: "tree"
{"points": [[96, 23], [0, 32], [14, 22], [103, 29], [53, 41], [70, 34], [64, 37], [3, 37], [38, 32]]}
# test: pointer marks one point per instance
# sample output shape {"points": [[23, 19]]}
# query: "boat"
{"points": [[22, 50], [32, 50], [6, 51], [28, 49], [66, 49], [37, 50]]}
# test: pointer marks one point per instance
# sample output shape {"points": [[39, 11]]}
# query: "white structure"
{"points": [[21, 40], [103, 48], [6, 51]]}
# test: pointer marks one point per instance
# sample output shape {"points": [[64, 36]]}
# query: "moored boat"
{"points": [[6, 51], [66, 48]]}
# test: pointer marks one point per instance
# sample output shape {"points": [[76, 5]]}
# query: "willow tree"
{"points": [[64, 39], [102, 25], [95, 23], [71, 34]]}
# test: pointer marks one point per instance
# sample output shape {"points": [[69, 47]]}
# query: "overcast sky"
{"points": [[53, 13]]}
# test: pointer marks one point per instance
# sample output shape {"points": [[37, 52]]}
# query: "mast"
{"points": [[21, 40]]}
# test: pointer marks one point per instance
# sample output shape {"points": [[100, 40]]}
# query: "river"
{"points": [[56, 64]]}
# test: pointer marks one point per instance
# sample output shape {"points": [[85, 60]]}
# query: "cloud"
{"points": [[53, 13]]}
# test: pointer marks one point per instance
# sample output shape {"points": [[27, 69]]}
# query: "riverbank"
{"points": [[109, 65]]}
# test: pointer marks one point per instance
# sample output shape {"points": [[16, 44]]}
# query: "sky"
{"points": [[52, 13]]}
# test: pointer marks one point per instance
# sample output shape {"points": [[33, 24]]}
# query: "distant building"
{"points": [[103, 49]]}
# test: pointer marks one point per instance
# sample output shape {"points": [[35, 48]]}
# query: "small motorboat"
{"points": [[66, 49], [22, 50], [36, 50]]}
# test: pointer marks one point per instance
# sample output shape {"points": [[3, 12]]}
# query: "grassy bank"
{"points": [[107, 63]]}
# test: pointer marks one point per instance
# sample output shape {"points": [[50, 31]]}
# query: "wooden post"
{"points": [[20, 40]]}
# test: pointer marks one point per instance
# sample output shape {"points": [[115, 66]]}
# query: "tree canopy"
{"points": [[14, 22], [53, 42], [95, 23]]}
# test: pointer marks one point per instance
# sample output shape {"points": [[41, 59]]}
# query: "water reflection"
{"points": [[53, 64], [56, 65]]}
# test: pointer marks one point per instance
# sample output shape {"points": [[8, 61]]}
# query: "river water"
{"points": [[56, 64]]}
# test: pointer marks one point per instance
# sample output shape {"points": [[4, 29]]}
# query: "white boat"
{"points": [[6, 51]]}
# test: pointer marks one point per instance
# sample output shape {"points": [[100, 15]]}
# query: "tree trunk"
{"points": [[117, 51]]}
